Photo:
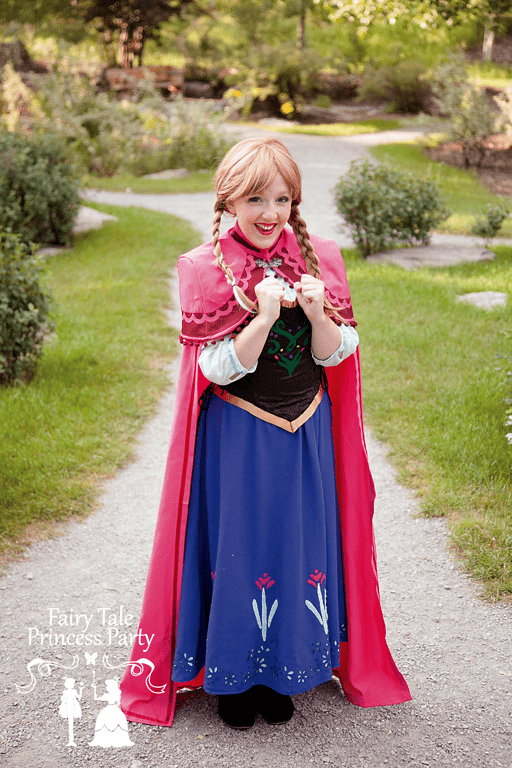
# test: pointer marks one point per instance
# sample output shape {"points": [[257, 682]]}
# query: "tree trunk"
{"points": [[301, 27], [488, 43]]}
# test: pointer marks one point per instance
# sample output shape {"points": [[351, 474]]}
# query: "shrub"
{"points": [[191, 137], [466, 105], [24, 310], [38, 189], [403, 85], [102, 135], [506, 382], [140, 135], [384, 207], [275, 78], [16, 99], [488, 226], [504, 102]]}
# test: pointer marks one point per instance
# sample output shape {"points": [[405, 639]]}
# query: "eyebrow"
{"points": [[283, 193]]}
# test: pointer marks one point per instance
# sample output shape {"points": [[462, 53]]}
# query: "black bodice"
{"points": [[286, 379]]}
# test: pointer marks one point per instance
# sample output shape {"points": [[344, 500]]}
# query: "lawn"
{"points": [[101, 374], [432, 392], [336, 129], [464, 192], [196, 181]]}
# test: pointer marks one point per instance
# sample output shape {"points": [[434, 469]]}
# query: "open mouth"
{"points": [[265, 229]]}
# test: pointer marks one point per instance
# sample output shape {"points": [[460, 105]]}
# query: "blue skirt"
{"points": [[262, 599]]}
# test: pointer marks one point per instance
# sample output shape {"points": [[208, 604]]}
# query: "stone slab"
{"points": [[89, 218], [444, 255], [484, 299], [86, 219]]}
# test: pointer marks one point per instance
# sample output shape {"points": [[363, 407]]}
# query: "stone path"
{"points": [[454, 649]]}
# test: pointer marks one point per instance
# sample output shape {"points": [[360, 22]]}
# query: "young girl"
{"points": [[262, 582]]}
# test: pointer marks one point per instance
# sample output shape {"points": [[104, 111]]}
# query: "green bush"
{"points": [[139, 135], [384, 207], [488, 226], [38, 189], [24, 310], [402, 84], [191, 136], [466, 105]]}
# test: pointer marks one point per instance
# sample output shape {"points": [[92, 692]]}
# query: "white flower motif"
{"points": [[288, 672], [230, 679], [211, 672], [301, 676], [326, 659], [189, 660]]}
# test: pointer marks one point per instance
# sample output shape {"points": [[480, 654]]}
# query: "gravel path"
{"points": [[454, 650]]}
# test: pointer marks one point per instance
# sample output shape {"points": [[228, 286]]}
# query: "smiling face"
{"points": [[262, 216]]}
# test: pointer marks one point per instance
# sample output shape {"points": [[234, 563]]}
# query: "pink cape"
{"points": [[367, 671]]}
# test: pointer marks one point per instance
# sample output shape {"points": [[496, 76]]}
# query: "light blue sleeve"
{"points": [[349, 342], [220, 364]]}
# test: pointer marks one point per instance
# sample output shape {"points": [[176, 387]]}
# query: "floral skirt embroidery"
{"points": [[262, 598]]}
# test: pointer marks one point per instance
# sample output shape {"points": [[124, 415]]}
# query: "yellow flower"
{"points": [[287, 108]]}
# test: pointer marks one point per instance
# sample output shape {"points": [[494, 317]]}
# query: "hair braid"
{"points": [[308, 254], [302, 235], [220, 262]]}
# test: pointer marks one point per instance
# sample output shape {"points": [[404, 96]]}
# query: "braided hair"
{"points": [[248, 168]]}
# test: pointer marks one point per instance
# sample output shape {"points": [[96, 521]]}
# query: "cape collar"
{"points": [[210, 310], [266, 254]]}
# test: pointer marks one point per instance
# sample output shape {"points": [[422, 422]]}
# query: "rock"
{"points": [[86, 219], [196, 90], [90, 218], [484, 299], [444, 255]]}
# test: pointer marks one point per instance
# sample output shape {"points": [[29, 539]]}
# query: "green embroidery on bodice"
{"points": [[288, 347]]}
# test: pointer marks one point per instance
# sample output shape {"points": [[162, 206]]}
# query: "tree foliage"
{"points": [[129, 23], [32, 11], [489, 12], [425, 12]]}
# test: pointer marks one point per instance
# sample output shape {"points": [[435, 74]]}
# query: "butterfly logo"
{"points": [[91, 657]]}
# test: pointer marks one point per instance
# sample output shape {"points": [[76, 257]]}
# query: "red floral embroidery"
{"points": [[264, 581], [316, 577]]}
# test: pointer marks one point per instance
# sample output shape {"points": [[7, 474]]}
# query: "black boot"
{"points": [[274, 707], [238, 710]]}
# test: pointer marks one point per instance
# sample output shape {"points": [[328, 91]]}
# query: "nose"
{"points": [[269, 212]]}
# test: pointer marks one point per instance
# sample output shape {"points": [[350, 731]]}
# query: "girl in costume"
{"points": [[262, 582]]}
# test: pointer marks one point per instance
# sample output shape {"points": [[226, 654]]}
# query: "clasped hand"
{"points": [[310, 295]]}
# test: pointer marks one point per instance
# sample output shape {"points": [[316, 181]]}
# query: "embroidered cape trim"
{"points": [[210, 311]]}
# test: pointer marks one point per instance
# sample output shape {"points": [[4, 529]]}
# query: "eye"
{"points": [[283, 199], [254, 199]]}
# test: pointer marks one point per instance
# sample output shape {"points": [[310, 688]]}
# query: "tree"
{"points": [[489, 12], [129, 23], [31, 11], [428, 13]]}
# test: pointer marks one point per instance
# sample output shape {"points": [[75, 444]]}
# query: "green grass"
{"points": [[336, 129], [196, 181], [489, 74], [465, 194], [100, 377], [433, 394]]}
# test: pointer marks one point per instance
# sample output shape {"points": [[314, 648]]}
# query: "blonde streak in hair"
{"points": [[220, 262]]}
